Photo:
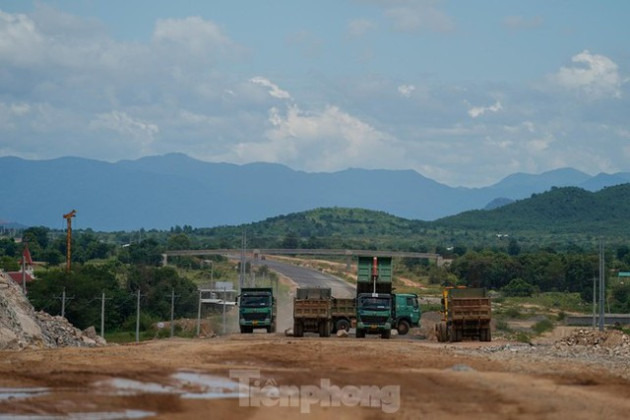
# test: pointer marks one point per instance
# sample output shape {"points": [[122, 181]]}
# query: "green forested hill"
{"points": [[566, 210], [560, 217], [326, 227]]}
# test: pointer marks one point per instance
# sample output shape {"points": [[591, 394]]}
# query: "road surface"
{"points": [[308, 277]]}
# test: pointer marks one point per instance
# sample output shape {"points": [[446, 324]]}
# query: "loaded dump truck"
{"points": [[312, 312], [374, 297], [378, 309], [406, 313], [256, 309], [465, 313], [343, 314]]}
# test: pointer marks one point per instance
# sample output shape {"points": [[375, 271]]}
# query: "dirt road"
{"points": [[311, 377]]}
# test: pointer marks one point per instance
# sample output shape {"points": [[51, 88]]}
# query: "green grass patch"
{"points": [[502, 325], [431, 307], [122, 337], [542, 326], [568, 302]]}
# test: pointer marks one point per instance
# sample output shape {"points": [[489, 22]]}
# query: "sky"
{"points": [[463, 92]]}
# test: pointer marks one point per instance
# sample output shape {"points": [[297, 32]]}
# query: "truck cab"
{"points": [[405, 312], [374, 314], [256, 309]]}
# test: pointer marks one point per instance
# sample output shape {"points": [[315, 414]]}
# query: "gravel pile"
{"points": [[22, 328], [58, 332], [609, 350], [611, 342]]}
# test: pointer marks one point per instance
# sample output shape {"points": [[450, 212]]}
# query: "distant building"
{"points": [[26, 269]]}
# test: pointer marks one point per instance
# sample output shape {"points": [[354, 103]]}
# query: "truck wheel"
{"points": [[386, 334], [485, 335], [297, 329], [440, 334], [456, 334], [360, 333], [403, 327], [326, 329], [451, 333], [342, 324]]}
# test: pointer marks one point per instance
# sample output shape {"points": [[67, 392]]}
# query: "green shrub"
{"points": [[502, 325], [542, 326], [518, 287], [513, 312]]}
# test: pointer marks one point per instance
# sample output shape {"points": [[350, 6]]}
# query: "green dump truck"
{"points": [[374, 296], [257, 309], [379, 310], [312, 312], [406, 313], [466, 313]]}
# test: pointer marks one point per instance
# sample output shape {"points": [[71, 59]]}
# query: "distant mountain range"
{"points": [[160, 192]]}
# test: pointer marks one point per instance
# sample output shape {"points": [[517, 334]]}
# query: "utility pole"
{"points": [[103, 299], [199, 316], [138, 318], [242, 273], [173, 296], [103, 315], [602, 285], [224, 297], [63, 302], [594, 301]]}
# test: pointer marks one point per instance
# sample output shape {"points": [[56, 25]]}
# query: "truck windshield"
{"points": [[254, 301], [375, 304], [412, 301]]}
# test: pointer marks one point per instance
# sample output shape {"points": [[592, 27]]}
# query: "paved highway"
{"points": [[308, 277]]}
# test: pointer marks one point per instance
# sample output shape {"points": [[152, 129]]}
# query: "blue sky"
{"points": [[463, 92]]}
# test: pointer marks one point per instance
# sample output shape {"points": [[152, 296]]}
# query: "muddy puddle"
{"points": [[185, 384], [189, 385]]}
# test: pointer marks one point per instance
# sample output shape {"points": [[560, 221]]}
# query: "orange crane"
{"points": [[68, 217]]}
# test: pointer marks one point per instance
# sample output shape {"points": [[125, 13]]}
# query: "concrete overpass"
{"points": [[257, 253]]}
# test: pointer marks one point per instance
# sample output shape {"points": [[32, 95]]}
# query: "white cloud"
{"points": [[325, 140], [68, 88], [20, 41], [521, 22], [477, 111], [415, 15], [196, 35], [20, 109], [131, 129], [274, 90], [406, 90], [595, 76], [359, 27]]}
